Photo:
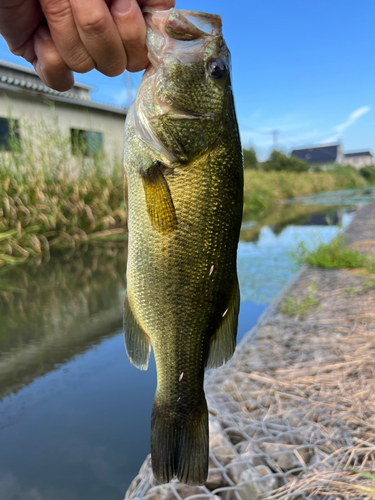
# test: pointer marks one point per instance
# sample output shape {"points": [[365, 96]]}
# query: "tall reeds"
{"points": [[52, 199]]}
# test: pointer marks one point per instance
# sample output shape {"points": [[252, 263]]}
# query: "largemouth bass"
{"points": [[184, 191]]}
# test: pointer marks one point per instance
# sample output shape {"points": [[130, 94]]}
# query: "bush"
{"points": [[281, 162], [342, 169], [347, 172], [368, 173], [250, 158]]}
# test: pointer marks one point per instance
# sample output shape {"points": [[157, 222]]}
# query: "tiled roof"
{"points": [[323, 154], [358, 153], [34, 86], [24, 80], [30, 71]]}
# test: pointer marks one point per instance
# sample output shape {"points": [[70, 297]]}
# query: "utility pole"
{"points": [[275, 133]]}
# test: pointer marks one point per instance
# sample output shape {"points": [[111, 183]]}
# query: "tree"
{"points": [[250, 158], [281, 162]]}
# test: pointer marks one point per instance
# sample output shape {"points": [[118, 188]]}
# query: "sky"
{"points": [[304, 68]]}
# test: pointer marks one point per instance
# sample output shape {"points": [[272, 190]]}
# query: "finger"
{"points": [[59, 16], [48, 63], [158, 4], [100, 36], [132, 28], [17, 25]]}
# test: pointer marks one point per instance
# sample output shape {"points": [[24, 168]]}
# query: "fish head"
{"points": [[185, 96]]}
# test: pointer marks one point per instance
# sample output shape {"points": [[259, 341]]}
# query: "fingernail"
{"points": [[44, 33], [121, 6]]}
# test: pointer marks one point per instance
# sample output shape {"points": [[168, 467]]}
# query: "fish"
{"points": [[184, 196]]}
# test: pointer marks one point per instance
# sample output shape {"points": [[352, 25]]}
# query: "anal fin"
{"points": [[137, 342], [223, 342], [160, 207]]}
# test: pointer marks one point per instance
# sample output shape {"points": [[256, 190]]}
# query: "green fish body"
{"points": [[184, 194]]}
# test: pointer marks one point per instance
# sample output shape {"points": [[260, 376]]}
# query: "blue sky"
{"points": [[302, 67]]}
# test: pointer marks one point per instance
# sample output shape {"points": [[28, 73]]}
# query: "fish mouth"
{"points": [[184, 24], [182, 32]]}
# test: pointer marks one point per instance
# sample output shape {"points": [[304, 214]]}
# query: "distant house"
{"points": [[321, 155], [359, 159], [24, 100]]}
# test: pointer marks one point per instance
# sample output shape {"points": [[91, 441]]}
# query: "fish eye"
{"points": [[216, 67]]}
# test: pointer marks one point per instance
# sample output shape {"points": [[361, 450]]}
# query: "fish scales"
{"points": [[184, 183]]}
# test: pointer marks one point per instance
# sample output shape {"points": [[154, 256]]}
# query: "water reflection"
{"points": [[284, 216], [54, 312]]}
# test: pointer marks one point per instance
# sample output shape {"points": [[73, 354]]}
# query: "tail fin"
{"points": [[179, 447]]}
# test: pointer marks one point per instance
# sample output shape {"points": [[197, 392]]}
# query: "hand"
{"points": [[62, 36]]}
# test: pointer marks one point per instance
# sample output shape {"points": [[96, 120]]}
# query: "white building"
{"points": [[24, 100], [359, 159]]}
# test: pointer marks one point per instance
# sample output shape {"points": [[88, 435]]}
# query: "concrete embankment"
{"points": [[292, 415]]}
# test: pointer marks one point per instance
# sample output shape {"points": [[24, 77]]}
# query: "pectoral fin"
{"points": [[137, 342], [223, 342], [159, 201]]}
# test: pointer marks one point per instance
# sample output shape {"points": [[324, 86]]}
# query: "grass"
{"points": [[264, 191], [366, 286], [334, 255], [300, 307], [50, 199]]}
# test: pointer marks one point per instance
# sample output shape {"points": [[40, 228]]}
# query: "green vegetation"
{"points": [[300, 307], [334, 255], [366, 286], [368, 173], [51, 199], [280, 162], [265, 190], [250, 159]]}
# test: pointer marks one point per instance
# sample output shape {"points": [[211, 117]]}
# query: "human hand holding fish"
{"points": [[62, 36]]}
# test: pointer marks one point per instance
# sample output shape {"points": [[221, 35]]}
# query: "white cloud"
{"points": [[330, 140], [353, 117]]}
